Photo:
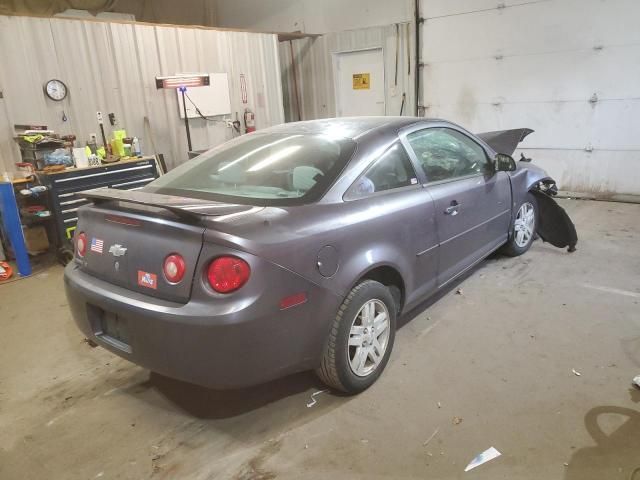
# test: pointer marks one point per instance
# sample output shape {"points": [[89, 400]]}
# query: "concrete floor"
{"points": [[499, 357]]}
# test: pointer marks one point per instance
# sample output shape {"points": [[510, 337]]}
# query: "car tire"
{"points": [[356, 354], [520, 239]]}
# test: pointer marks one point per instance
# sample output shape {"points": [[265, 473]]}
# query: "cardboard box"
{"points": [[36, 239]]}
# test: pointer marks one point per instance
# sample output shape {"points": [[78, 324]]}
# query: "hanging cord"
{"points": [[235, 125], [395, 81], [407, 37], [295, 80], [208, 119]]}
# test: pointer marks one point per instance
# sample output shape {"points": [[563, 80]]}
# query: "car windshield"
{"points": [[261, 169]]}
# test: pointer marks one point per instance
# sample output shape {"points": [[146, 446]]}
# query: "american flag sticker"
{"points": [[96, 245]]}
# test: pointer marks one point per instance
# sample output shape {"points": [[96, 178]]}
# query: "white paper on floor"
{"points": [[484, 457], [313, 400]]}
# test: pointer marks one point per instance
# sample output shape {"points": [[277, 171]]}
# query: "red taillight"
{"points": [[227, 274], [81, 244], [174, 268]]}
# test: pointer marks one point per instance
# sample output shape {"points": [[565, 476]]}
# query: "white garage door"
{"points": [[359, 81], [569, 69]]}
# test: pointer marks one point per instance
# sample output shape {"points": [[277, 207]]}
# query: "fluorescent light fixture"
{"points": [[285, 152], [177, 81]]}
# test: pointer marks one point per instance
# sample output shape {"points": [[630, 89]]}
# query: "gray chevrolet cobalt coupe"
{"points": [[296, 247]]}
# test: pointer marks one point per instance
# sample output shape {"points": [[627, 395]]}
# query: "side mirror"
{"points": [[504, 163]]}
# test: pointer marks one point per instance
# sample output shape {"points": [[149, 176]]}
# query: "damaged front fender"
{"points": [[554, 224]]}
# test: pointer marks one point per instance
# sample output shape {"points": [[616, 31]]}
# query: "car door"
{"points": [[472, 201], [403, 215]]}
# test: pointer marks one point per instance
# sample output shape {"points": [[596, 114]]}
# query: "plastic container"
{"points": [[136, 147], [80, 156]]}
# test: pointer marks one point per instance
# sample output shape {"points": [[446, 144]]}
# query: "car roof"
{"points": [[347, 127]]}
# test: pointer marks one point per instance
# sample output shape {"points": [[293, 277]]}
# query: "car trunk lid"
{"points": [[129, 235]]}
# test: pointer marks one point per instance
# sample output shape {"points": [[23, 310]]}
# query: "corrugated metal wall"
{"points": [[314, 69], [309, 16], [111, 67], [569, 69]]}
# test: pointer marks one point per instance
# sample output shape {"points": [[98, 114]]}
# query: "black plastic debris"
{"points": [[554, 224]]}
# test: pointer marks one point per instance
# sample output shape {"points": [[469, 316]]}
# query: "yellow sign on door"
{"points": [[361, 81]]}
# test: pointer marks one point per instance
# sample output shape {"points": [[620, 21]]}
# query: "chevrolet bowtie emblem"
{"points": [[117, 250]]}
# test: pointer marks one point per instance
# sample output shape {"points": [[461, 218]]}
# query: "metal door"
{"points": [[359, 83]]}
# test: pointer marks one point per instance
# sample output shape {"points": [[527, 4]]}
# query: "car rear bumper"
{"points": [[205, 343]]}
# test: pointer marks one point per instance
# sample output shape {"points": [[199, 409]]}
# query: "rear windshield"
{"points": [[261, 169]]}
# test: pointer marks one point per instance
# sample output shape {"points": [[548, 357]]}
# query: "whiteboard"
{"points": [[212, 100]]}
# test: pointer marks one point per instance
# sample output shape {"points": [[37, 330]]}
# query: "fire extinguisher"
{"points": [[249, 121]]}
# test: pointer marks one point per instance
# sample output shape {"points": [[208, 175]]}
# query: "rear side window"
{"points": [[392, 170], [446, 154]]}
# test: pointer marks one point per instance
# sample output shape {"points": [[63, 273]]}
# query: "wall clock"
{"points": [[56, 90]]}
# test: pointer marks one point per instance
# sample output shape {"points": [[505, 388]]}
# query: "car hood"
{"points": [[505, 141]]}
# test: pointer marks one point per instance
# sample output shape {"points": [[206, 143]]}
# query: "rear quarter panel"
{"points": [[293, 237], [387, 229]]}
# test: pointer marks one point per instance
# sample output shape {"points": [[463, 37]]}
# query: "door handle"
{"points": [[452, 210]]}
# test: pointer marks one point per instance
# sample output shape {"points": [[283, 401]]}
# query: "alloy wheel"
{"points": [[368, 337], [524, 224]]}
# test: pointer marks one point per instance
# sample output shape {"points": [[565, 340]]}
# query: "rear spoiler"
{"points": [[505, 141], [184, 207]]}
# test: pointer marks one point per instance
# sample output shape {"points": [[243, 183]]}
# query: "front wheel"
{"points": [[361, 339], [524, 227]]}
